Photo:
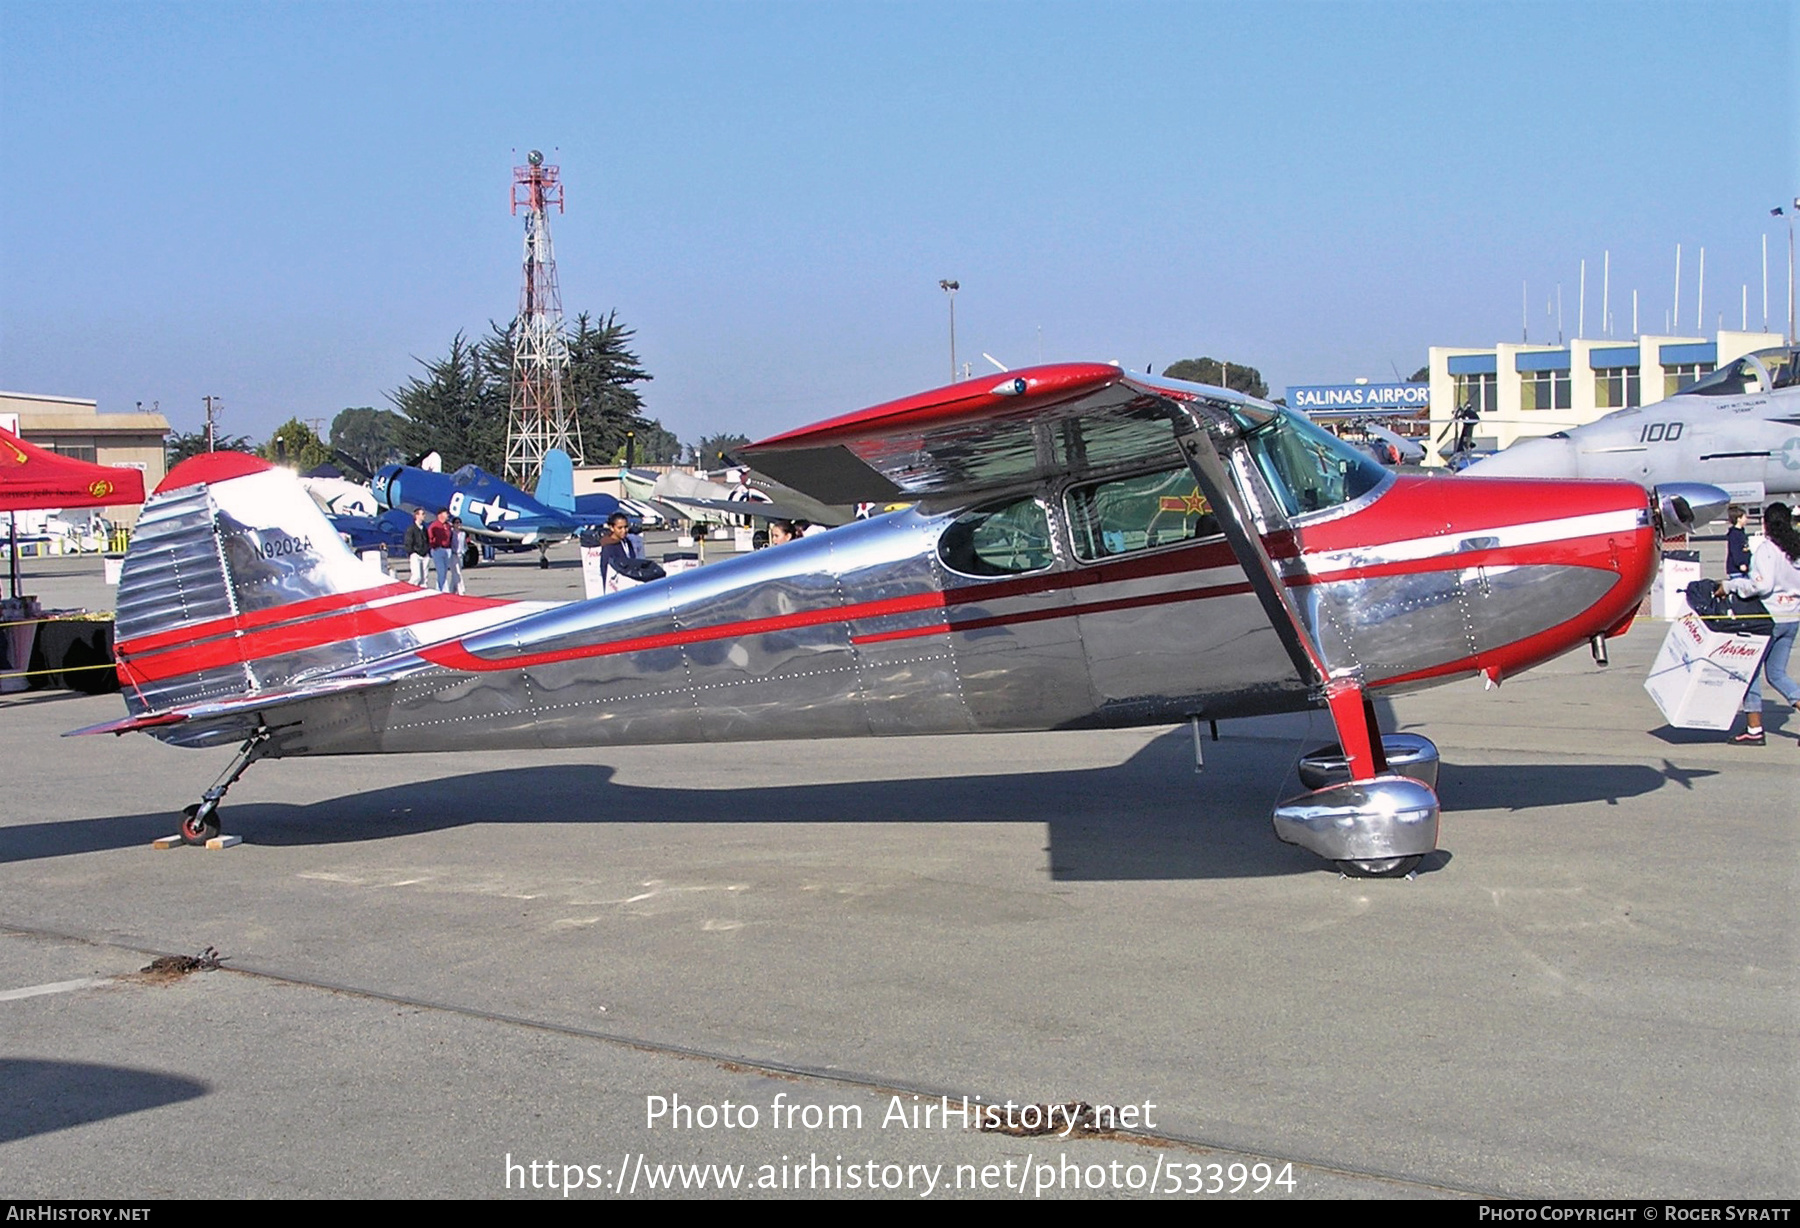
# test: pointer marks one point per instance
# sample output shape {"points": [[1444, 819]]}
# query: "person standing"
{"points": [[615, 548], [1775, 579], [1737, 542], [438, 534], [418, 547], [459, 542]]}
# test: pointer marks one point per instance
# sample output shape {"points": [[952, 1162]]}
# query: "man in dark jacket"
{"points": [[418, 547]]}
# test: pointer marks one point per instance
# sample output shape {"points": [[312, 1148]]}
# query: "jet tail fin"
{"points": [[556, 482]]}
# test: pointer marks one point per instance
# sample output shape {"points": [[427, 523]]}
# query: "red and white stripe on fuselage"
{"points": [[1605, 526], [261, 635], [1602, 527]]}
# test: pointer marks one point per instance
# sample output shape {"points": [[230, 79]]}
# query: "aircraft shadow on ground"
{"points": [[1150, 817], [1775, 720], [42, 1096], [1534, 786]]}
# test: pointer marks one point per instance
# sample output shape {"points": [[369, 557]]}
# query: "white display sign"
{"points": [[1669, 598], [1700, 675], [591, 585]]}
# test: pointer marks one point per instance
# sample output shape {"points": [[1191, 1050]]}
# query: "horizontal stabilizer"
{"points": [[238, 706]]}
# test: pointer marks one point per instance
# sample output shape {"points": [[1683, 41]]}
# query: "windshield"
{"points": [[1308, 468]]}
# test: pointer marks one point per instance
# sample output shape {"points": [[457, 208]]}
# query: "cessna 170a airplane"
{"points": [[1735, 428], [1087, 548]]}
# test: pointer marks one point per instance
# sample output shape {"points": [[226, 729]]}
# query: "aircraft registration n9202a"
{"points": [[1085, 549]]}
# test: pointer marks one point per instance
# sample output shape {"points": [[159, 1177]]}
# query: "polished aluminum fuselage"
{"points": [[863, 631]]}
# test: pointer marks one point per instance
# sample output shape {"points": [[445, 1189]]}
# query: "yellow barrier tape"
{"points": [[67, 669], [104, 616]]}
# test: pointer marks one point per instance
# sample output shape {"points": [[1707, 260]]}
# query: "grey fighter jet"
{"points": [[1736, 429]]}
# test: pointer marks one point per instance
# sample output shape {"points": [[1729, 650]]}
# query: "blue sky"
{"points": [[286, 205]]}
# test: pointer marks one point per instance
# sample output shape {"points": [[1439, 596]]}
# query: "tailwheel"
{"points": [[1383, 867], [200, 823]]}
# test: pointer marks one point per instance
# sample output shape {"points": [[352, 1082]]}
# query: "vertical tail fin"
{"points": [[236, 583], [556, 482]]}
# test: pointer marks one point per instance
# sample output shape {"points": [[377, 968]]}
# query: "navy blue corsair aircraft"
{"points": [[492, 510]]}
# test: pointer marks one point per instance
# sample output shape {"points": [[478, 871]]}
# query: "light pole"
{"points": [[951, 287], [1778, 212]]}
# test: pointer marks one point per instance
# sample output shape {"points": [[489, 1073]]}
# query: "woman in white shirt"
{"points": [[1774, 578]]}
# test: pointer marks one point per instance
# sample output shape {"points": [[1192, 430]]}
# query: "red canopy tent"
{"points": [[33, 478]]}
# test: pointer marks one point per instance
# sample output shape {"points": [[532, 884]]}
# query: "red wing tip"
{"points": [[969, 398], [211, 467]]}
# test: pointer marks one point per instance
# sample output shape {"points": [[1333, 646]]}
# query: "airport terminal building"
{"points": [[1522, 390]]}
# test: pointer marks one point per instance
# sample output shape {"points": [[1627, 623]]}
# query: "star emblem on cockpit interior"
{"points": [[1194, 502]]}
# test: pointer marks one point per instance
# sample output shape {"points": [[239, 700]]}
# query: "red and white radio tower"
{"points": [[537, 420]]}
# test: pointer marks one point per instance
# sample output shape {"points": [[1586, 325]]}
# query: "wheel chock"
{"points": [[176, 842]]}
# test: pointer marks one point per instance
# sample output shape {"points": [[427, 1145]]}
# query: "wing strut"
{"points": [[1344, 693], [1360, 813]]}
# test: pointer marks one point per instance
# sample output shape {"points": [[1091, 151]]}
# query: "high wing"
{"points": [[983, 436], [975, 437]]}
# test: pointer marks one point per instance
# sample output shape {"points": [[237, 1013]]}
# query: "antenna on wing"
{"points": [[995, 361]]}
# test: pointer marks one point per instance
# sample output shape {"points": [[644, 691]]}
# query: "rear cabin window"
{"points": [[1138, 513], [1004, 539]]}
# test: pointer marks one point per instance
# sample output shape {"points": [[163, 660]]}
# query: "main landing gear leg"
{"points": [[543, 555], [1373, 808], [200, 822]]}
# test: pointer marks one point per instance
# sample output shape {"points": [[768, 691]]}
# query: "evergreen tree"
{"points": [[714, 451], [1219, 374], [657, 445], [368, 436], [602, 370], [459, 407], [457, 410]]}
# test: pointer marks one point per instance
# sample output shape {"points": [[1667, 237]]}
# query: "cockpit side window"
{"points": [[1004, 539], [1142, 512]]}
